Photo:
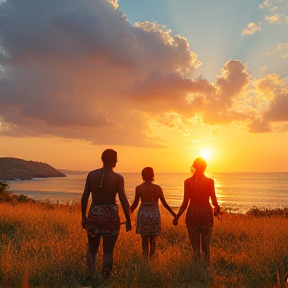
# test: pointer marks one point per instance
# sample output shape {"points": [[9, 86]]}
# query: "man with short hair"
{"points": [[103, 218]]}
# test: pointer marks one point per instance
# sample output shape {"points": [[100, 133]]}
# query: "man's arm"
{"points": [[84, 201], [136, 200], [125, 203]]}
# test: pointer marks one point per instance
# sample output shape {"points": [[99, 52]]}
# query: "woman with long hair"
{"points": [[198, 191]]}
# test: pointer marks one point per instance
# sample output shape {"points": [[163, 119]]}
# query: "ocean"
{"points": [[237, 192]]}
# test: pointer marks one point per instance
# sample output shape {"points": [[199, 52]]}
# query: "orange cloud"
{"points": [[80, 70], [273, 93]]}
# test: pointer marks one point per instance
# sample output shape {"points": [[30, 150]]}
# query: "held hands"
{"points": [[128, 226], [84, 222], [175, 221]]}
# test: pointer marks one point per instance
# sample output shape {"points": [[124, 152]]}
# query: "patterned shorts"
{"points": [[148, 220], [103, 219]]}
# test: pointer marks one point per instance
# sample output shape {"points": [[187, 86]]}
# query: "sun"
{"points": [[206, 154]]}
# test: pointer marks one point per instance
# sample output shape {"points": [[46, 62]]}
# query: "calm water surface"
{"points": [[237, 191]]}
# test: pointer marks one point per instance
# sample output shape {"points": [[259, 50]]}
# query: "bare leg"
{"points": [[145, 245], [108, 247], [206, 234], [152, 246], [93, 247], [194, 237]]}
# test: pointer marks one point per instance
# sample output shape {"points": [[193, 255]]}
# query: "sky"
{"points": [[161, 82]]}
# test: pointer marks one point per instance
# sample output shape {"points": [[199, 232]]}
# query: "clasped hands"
{"points": [[175, 221], [128, 226]]}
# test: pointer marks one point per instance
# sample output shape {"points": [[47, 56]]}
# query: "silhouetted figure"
{"points": [[148, 216], [103, 218], [199, 189]]}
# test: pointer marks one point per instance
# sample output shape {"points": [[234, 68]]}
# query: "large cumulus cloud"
{"points": [[78, 69], [273, 101]]}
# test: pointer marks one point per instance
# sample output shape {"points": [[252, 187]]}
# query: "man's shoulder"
{"points": [[118, 176], [157, 186], [93, 172]]}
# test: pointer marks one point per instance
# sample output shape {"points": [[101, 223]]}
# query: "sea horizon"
{"points": [[237, 192], [139, 172]]}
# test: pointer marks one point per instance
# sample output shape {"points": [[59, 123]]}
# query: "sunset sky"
{"points": [[158, 81]]}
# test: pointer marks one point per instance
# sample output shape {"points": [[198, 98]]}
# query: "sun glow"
{"points": [[206, 154]]}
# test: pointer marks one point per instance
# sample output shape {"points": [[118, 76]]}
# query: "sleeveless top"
{"points": [[200, 212], [148, 217]]}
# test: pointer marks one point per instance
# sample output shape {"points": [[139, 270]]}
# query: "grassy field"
{"points": [[43, 245]]}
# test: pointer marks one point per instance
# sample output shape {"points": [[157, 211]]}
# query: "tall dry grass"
{"points": [[44, 246]]}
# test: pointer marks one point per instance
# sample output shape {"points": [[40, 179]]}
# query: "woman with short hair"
{"points": [[148, 216]]}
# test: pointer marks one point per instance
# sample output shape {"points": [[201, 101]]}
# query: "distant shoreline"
{"points": [[15, 168], [72, 172]]}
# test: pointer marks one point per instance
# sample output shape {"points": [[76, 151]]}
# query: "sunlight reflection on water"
{"points": [[237, 191]]}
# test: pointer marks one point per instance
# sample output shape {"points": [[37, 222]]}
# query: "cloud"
{"points": [[251, 29], [173, 93], [69, 66], [281, 50], [272, 18], [272, 103], [276, 13], [278, 109], [78, 70], [276, 9], [175, 121], [258, 126]]}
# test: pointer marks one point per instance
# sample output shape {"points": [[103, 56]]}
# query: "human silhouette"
{"points": [[103, 218], [148, 216], [199, 190]]}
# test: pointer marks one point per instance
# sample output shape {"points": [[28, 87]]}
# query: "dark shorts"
{"points": [[199, 216], [103, 220]]}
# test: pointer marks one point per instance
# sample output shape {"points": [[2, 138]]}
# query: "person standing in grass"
{"points": [[199, 190], [103, 219], [148, 217]]}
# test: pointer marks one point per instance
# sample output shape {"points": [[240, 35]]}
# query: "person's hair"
{"points": [[148, 174], [109, 156], [199, 164]]}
